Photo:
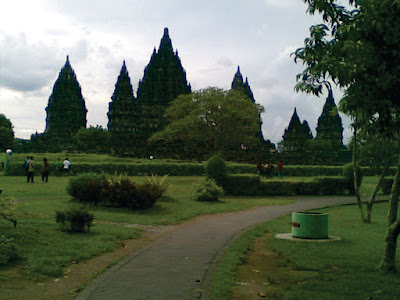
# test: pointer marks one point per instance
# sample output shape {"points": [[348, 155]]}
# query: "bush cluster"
{"points": [[8, 250], [348, 173], [75, 219], [250, 185], [216, 169], [115, 190], [206, 190]]}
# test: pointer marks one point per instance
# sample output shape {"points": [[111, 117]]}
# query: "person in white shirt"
{"points": [[66, 166]]}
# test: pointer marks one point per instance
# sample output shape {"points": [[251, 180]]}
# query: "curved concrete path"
{"points": [[180, 264]]}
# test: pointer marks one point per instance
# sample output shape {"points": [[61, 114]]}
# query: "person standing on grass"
{"points": [[31, 169], [280, 169], [26, 164], [66, 166], [58, 167], [45, 170]]}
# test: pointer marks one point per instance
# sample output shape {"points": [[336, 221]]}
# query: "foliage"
{"points": [[93, 140], [361, 58], [86, 187], [206, 190], [118, 190], [216, 119], [377, 151], [8, 209], [216, 169], [8, 250], [348, 173], [75, 219], [161, 185], [114, 190], [6, 133]]}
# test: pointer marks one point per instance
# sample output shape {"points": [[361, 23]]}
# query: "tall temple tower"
{"points": [[239, 85], [296, 135], [123, 114], [66, 110], [329, 127], [164, 80]]}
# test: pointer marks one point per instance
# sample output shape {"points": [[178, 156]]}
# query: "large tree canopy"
{"points": [[215, 119], [357, 49], [6, 133]]}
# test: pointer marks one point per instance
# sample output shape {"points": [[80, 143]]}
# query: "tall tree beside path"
{"points": [[216, 119], [6, 133], [357, 49]]}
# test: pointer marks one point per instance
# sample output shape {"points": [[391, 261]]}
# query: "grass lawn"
{"points": [[46, 251], [341, 270]]}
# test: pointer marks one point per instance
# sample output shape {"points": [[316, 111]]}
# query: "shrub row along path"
{"points": [[180, 264]]}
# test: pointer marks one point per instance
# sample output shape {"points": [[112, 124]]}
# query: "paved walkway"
{"points": [[181, 263]]}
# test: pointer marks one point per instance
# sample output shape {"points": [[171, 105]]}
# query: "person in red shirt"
{"points": [[280, 169]]}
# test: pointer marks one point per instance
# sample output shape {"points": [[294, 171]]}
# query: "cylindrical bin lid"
{"points": [[310, 225]]}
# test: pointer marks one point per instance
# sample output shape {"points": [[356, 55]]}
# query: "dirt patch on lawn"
{"points": [[77, 276], [265, 274]]}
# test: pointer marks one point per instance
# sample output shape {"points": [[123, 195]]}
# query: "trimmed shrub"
{"points": [[348, 174], [246, 185], [206, 190], [75, 219], [8, 250], [86, 187], [240, 185], [216, 169], [334, 186]]}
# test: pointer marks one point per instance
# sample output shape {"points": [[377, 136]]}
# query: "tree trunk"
{"points": [[356, 187], [393, 228], [373, 195]]}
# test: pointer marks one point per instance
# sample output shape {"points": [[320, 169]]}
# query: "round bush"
{"points": [[216, 169], [348, 173], [8, 250], [206, 190], [86, 187]]}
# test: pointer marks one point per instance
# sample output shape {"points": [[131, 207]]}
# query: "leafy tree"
{"points": [[357, 49], [379, 153], [93, 140], [216, 119], [6, 133]]}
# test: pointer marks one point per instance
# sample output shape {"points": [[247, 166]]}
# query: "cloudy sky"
{"points": [[212, 37]]}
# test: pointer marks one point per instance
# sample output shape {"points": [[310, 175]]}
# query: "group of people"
{"points": [[60, 168], [267, 169]]}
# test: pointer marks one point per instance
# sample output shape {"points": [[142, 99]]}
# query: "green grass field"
{"points": [[344, 270], [46, 251]]}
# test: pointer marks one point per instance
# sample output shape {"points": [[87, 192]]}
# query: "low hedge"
{"points": [[250, 185], [190, 169]]}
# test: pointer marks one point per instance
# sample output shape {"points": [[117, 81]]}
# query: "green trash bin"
{"points": [[310, 225]]}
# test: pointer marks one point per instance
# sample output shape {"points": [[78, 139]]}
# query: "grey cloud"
{"points": [[28, 67]]}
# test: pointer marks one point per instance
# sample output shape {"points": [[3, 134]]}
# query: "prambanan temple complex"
{"points": [[132, 120]]}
